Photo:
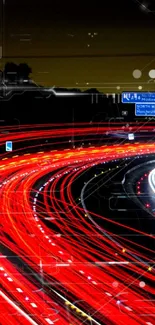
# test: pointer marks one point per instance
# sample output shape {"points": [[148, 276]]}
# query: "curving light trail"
{"points": [[151, 179], [56, 265]]}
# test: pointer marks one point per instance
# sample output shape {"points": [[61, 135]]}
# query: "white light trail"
{"points": [[17, 308], [151, 180]]}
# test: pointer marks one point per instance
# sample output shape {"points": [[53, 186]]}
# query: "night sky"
{"points": [[80, 44]]}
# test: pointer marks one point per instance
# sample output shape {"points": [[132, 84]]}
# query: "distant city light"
{"points": [[131, 136], [147, 205], [118, 302]]}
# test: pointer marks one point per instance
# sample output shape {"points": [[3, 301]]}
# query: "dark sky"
{"points": [[61, 39], [63, 26], [86, 12]]}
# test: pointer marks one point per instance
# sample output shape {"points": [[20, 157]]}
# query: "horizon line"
{"points": [[78, 56]]}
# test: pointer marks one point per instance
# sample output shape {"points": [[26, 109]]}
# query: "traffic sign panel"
{"points": [[8, 146]]}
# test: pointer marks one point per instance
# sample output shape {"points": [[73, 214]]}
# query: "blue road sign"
{"points": [[8, 145], [145, 109], [133, 97]]}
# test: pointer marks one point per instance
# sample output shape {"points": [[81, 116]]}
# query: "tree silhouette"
{"points": [[10, 72], [23, 72], [1, 76], [13, 73]]}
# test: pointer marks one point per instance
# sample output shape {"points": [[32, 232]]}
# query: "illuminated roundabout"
{"points": [[57, 265]]}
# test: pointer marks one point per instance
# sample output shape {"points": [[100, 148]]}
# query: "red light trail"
{"points": [[72, 273]]}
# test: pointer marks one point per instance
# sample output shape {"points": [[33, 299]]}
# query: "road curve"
{"points": [[56, 267]]}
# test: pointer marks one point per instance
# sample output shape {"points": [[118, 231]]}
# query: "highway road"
{"points": [[57, 265]]}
